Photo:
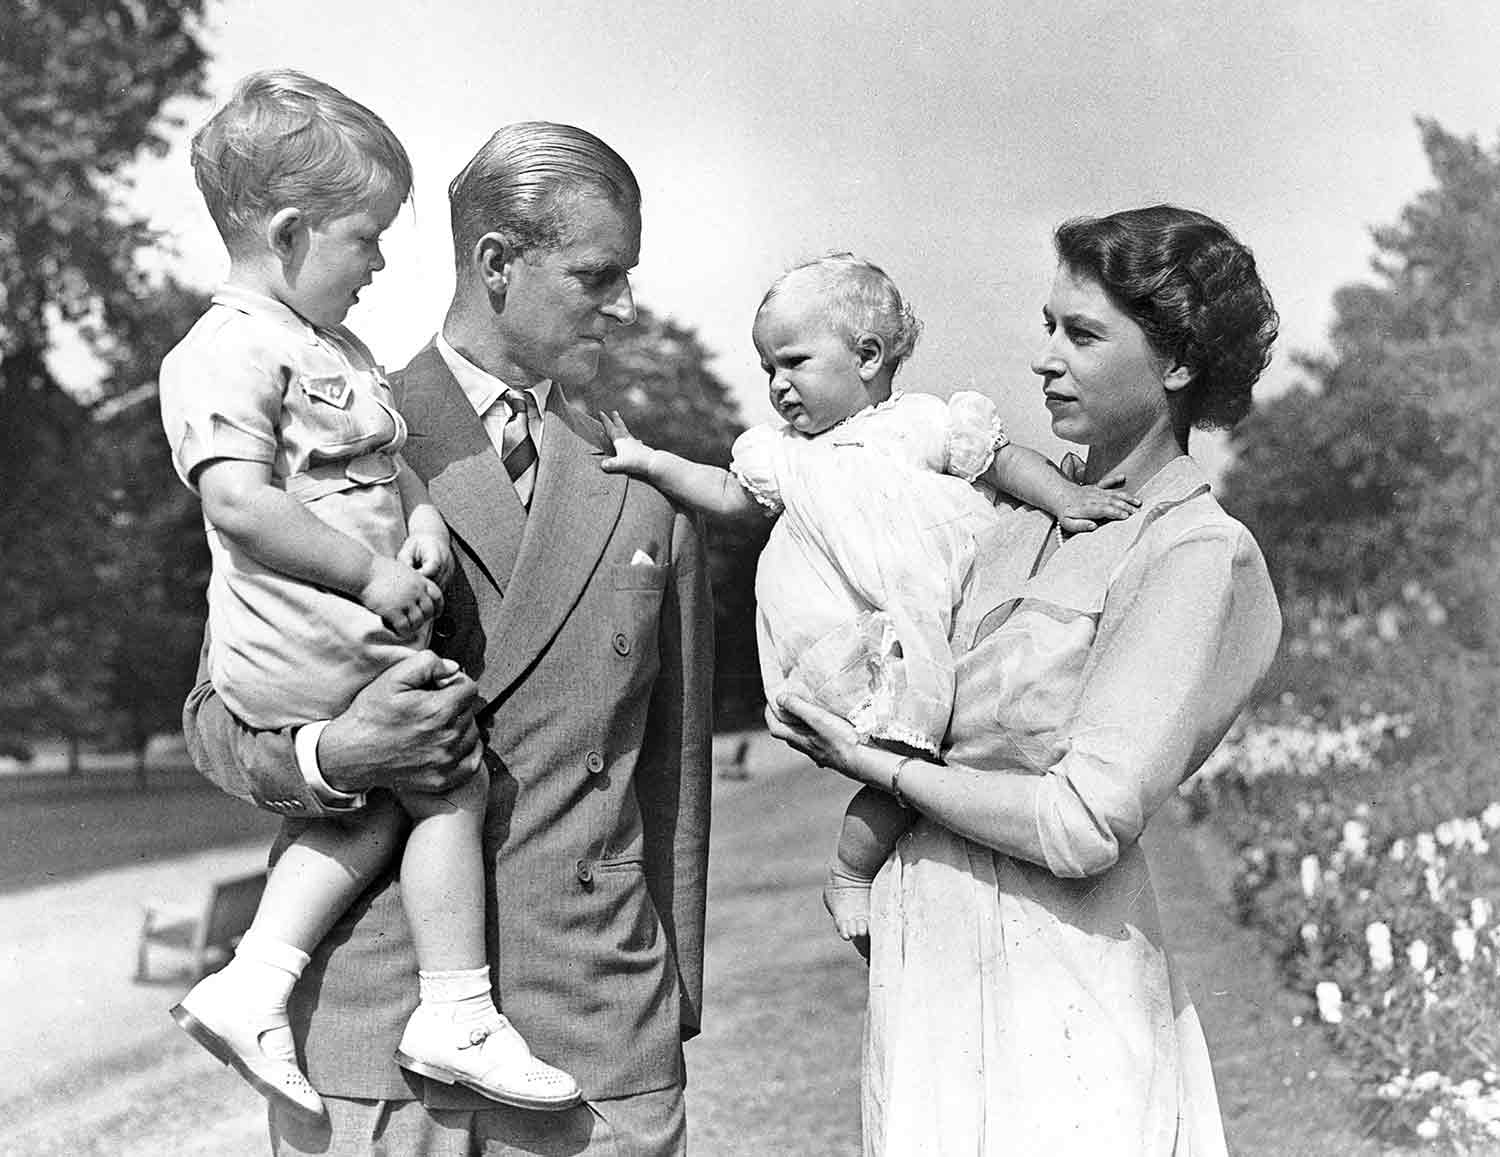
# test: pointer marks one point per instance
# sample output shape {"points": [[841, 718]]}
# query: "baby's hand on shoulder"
{"points": [[405, 599], [628, 454], [1088, 506]]}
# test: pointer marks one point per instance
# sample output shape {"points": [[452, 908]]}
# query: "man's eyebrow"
{"points": [[1087, 321]]}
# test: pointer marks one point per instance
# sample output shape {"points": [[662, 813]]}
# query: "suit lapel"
{"points": [[573, 512], [447, 445]]}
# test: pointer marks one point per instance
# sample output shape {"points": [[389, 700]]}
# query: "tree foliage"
{"points": [[1380, 470], [82, 90]]}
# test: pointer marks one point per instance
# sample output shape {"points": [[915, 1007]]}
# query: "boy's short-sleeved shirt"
{"points": [[253, 382]]}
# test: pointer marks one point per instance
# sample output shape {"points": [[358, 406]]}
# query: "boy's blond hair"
{"points": [[284, 139]]}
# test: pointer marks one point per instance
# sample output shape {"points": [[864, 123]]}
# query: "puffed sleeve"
{"points": [[975, 432], [221, 397], [753, 460], [1184, 636]]}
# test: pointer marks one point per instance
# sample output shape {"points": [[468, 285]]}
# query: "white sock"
{"points": [[462, 994], [265, 971]]}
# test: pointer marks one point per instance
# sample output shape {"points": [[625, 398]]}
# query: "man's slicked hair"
{"points": [[522, 181]]}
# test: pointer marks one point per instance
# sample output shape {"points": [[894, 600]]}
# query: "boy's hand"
{"points": [[404, 599], [429, 554], [629, 454], [1091, 505]]}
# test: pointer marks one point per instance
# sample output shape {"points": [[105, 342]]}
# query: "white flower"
{"points": [[1310, 876], [1356, 839], [1426, 848], [1330, 1002], [1428, 1130], [1309, 932], [1490, 817], [1425, 1082], [1480, 911], [1434, 883], [1378, 937], [1398, 850], [1416, 955], [1464, 942]]}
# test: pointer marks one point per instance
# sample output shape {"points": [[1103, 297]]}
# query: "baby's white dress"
{"points": [[858, 582]]}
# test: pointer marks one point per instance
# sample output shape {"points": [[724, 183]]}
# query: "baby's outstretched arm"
{"points": [[705, 489], [1028, 475], [280, 533]]}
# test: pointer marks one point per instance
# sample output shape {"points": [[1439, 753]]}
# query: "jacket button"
{"points": [[594, 762], [622, 643], [442, 627], [585, 874]]}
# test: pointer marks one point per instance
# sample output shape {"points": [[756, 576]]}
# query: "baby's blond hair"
{"points": [[284, 139], [861, 299]]}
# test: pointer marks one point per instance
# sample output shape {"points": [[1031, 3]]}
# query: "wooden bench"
{"points": [[205, 932]]}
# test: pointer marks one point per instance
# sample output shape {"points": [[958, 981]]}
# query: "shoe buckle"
{"points": [[477, 1037]]}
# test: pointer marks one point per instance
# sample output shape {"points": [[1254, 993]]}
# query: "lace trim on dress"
{"points": [[975, 432]]}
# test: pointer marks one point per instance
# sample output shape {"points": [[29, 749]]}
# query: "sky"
{"points": [[944, 142]]}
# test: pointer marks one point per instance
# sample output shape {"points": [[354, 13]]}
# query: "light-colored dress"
{"points": [[857, 584], [1030, 1008], [254, 382]]}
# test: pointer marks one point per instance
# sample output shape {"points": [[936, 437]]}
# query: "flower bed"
{"points": [[1371, 862]]}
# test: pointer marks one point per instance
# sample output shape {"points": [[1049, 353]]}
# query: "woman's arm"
{"points": [[1184, 637], [280, 533]]}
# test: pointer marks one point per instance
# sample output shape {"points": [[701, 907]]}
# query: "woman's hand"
{"points": [[827, 739]]}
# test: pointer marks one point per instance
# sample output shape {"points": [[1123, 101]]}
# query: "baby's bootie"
{"points": [[490, 1057], [250, 1037]]}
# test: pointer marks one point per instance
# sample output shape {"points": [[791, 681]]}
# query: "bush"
{"points": [[1362, 801]]}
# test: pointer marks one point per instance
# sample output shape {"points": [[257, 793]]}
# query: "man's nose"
{"points": [[621, 307], [379, 263]]}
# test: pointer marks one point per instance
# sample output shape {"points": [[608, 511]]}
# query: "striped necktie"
{"points": [[518, 451]]}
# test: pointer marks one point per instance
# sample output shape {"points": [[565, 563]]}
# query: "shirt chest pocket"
{"points": [[340, 413]]}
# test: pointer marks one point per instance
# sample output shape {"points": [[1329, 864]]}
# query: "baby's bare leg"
{"points": [[873, 822], [442, 875]]}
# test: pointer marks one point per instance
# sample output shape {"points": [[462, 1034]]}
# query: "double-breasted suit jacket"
{"points": [[587, 625]]}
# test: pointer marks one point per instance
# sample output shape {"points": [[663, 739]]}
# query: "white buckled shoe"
{"points": [[494, 1060], [216, 1016]]}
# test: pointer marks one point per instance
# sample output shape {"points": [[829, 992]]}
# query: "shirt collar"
{"points": [[482, 388], [247, 301]]}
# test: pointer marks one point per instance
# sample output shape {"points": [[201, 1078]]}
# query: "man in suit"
{"points": [[581, 620]]}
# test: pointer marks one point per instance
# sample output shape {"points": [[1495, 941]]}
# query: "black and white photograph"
{"points": [[837, 579]]}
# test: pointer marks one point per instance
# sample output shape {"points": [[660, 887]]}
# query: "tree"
{"points": [[656, 375], [82, 87], [1380, 470]]}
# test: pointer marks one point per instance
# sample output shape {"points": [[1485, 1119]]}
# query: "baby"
{"points": [[328, 562], [877, 511]]}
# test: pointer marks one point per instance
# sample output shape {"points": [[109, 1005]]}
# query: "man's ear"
{"points": [[493, 259], [1179, 377], [281, 232], [870, 350]]}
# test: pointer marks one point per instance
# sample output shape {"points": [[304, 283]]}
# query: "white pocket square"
{"points": [[641, 558]]}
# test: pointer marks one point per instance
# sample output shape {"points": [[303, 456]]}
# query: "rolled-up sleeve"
{"points": [[1185, 634], [221, 397]]}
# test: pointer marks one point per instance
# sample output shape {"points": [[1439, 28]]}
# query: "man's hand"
{"points": [[412, 727], [630, 455], [404, 599]]}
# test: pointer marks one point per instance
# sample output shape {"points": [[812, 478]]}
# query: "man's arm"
{"points": [[411, 727], [676, 765]]}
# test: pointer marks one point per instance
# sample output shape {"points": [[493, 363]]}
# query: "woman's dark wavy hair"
{"points": [[1192, 288]]}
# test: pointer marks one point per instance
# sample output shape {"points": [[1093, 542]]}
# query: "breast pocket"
{"points": [[326, 406], [639, 590]]}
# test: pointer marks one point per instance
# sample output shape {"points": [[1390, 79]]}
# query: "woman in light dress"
{"points": [[1021, 999]]}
